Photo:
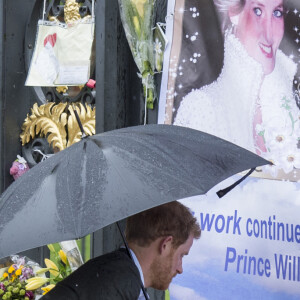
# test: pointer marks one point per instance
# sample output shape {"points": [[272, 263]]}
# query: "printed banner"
{"points": [[231, 70], [249, 246]]}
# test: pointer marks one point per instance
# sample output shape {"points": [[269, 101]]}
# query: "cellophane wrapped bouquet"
{"points": [[13, 279], [138, 20], [64, 260], [21, 278]]}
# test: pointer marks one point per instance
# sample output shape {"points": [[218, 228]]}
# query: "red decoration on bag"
{"points": [[51, 38]]}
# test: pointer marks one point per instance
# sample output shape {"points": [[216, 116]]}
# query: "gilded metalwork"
{"points": [[57, 122], [48, 120], [71, 11], [53, 19], [87, 116], [62, 89], [56, 8]]}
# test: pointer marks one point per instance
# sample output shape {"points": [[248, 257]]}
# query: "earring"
{"points": [[234, 22]]}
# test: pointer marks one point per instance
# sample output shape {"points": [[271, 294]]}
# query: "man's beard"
{"points": [[160, 271]]}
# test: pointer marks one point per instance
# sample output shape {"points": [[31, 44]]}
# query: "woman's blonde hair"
{"points": [[234, 5], [224, 6]]}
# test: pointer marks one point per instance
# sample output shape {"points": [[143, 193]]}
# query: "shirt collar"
{"points": [[138, 266]]}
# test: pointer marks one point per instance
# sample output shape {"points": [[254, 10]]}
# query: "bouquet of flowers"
{"points": [[137, 18], [13, 279], [26, 280], [281, 135], [58, 268]]}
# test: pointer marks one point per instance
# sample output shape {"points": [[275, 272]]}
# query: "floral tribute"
{"points": [[58, 269], [14, 280], [138, 19], [26, 280], [19, 167]]}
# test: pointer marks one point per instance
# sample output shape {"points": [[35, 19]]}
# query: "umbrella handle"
{"points": [[129, 254], [223, 192]]}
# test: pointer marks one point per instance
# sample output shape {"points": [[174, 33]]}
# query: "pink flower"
{"points": [[18, 169]]}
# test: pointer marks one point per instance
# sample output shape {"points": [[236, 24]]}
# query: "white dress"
{"points": [[226, 107]]}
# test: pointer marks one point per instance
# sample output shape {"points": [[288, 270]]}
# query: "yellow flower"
{"points": [[48, 288], [136, 24], [42, 271], [19, 272], [139, 4], [13, 277], [35, 282], [51, 247], [53, 269], [11, 269], [5, 275], [63, 256]]}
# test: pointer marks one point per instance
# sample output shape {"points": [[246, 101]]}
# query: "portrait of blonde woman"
{"points": [[251, 103]]}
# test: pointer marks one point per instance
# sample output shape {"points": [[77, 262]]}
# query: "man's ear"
{"points": [[165, 245]]}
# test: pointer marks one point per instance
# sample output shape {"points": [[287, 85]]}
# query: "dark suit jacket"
{"points": [[113, 276]]}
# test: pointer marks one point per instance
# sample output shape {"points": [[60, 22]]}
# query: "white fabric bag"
{"points": [[62, 53]]}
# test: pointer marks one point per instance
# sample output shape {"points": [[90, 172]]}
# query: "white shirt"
{"points": [[141, 296]]}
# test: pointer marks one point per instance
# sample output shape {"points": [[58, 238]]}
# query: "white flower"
{"points": [[279, 139], [290, 160], [21, 160], [157, 46]]}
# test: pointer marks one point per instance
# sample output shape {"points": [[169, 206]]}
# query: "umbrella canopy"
{"points": [[110, 176]]}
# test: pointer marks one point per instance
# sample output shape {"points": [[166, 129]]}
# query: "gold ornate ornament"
{"points": [[71, 11], [47, 120], [87, 117], [53, 19], [57, 122], [62, 89]]}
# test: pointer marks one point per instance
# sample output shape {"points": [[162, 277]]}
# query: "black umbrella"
{"points": [[110, 176]]}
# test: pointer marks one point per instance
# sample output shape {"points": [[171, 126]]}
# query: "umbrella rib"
{"points": [[73, 218], [83, 181], [159, 151], [218, 165]]}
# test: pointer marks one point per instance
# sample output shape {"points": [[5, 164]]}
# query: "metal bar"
{"points": [[100, 63], [2, 101], [83, 250]]}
